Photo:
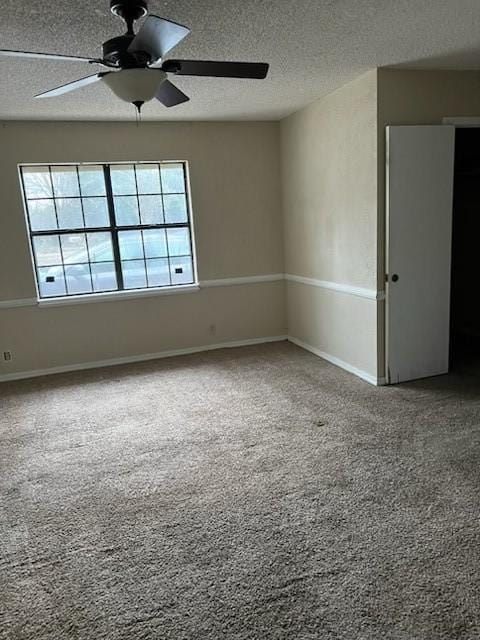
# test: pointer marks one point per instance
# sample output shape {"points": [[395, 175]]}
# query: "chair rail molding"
{"points": [[361, 292]]}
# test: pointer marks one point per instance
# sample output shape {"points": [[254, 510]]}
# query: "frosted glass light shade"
{"points": [[135, 85]]}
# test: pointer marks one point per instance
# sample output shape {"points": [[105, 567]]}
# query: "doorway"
{"points": [[465, 310]]}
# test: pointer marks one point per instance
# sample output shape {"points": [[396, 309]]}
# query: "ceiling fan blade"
{"points": [[72, 86], [44, 56], [169, 95], [256, 70], [157, 36]]}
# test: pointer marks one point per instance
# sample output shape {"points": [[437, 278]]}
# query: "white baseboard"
{"points": [[368, 377], [35, 373]]}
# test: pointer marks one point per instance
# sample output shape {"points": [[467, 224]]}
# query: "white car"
{"points": [[79, 276]]}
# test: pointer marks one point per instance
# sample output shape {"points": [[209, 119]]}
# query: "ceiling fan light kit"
{"points": [[135, 85], [136, 61]]}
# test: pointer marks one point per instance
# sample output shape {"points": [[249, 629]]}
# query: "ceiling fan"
{"points": [[137, 68]]}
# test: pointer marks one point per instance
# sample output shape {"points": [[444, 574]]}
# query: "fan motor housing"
{"points": [[115, 53], [115, 50]]}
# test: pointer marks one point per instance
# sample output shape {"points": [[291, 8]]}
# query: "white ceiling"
{"points": [[313, 47]]}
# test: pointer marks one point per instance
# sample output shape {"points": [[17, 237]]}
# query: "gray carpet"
{"points": [[255, 493]]}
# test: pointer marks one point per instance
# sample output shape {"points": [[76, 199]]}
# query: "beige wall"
{"points": [[425, 97], [329, 179], [234, 172], [339, 327], [60, 336], [333, 177]]}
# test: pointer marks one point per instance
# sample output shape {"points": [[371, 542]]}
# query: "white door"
{"points": [[420, 162]]}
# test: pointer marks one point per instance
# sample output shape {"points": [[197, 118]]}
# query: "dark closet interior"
{"points": [[465, 308]]}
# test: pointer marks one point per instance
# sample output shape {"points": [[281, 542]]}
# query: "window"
{"points": [[96, 228]]}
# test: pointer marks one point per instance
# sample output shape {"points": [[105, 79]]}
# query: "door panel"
{"points": [[420, 163]]}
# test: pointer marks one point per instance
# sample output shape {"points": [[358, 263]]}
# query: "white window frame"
{"points": [[113, 229]]}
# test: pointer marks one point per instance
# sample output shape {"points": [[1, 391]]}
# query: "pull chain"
{"points": [[138, 111]]}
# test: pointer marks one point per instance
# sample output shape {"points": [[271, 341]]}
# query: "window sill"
{"points": [[117, 295]]}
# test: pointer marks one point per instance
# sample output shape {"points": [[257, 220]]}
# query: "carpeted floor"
{"points": [[255, 493]]}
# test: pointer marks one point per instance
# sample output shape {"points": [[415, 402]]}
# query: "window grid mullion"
{"points": [[123, 195], [53, 196], [113, 229], [166, 234], [140, 220], [81, 201], [136, 194], [58, 227], [88, 258], [132, 227], [145, 260], [84, 226]]}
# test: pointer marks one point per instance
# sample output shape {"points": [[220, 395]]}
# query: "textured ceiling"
{"points": [[313, 46]]}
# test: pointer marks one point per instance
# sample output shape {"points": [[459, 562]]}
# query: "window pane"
{"points": [[126, 211], [158, 272], [95, 211], [134, 274], [92, 180], [37, 182], [148, 178], [51, 281], [155, 243], [130, 243], [103, 276], [175, 208], [151, 209], [65, 181], [178, 242], [74, 248], [47, 250], [100, 246], [123, 180], [42, 215], [181, 270], [78, 278], [69, 212], [172, 178]]}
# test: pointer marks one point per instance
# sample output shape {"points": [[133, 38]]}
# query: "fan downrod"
{"points": [[129, 11], [115, 50]]}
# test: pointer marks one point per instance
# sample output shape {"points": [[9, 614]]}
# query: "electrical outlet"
{"points": [[212, 329], [7, 356]]}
